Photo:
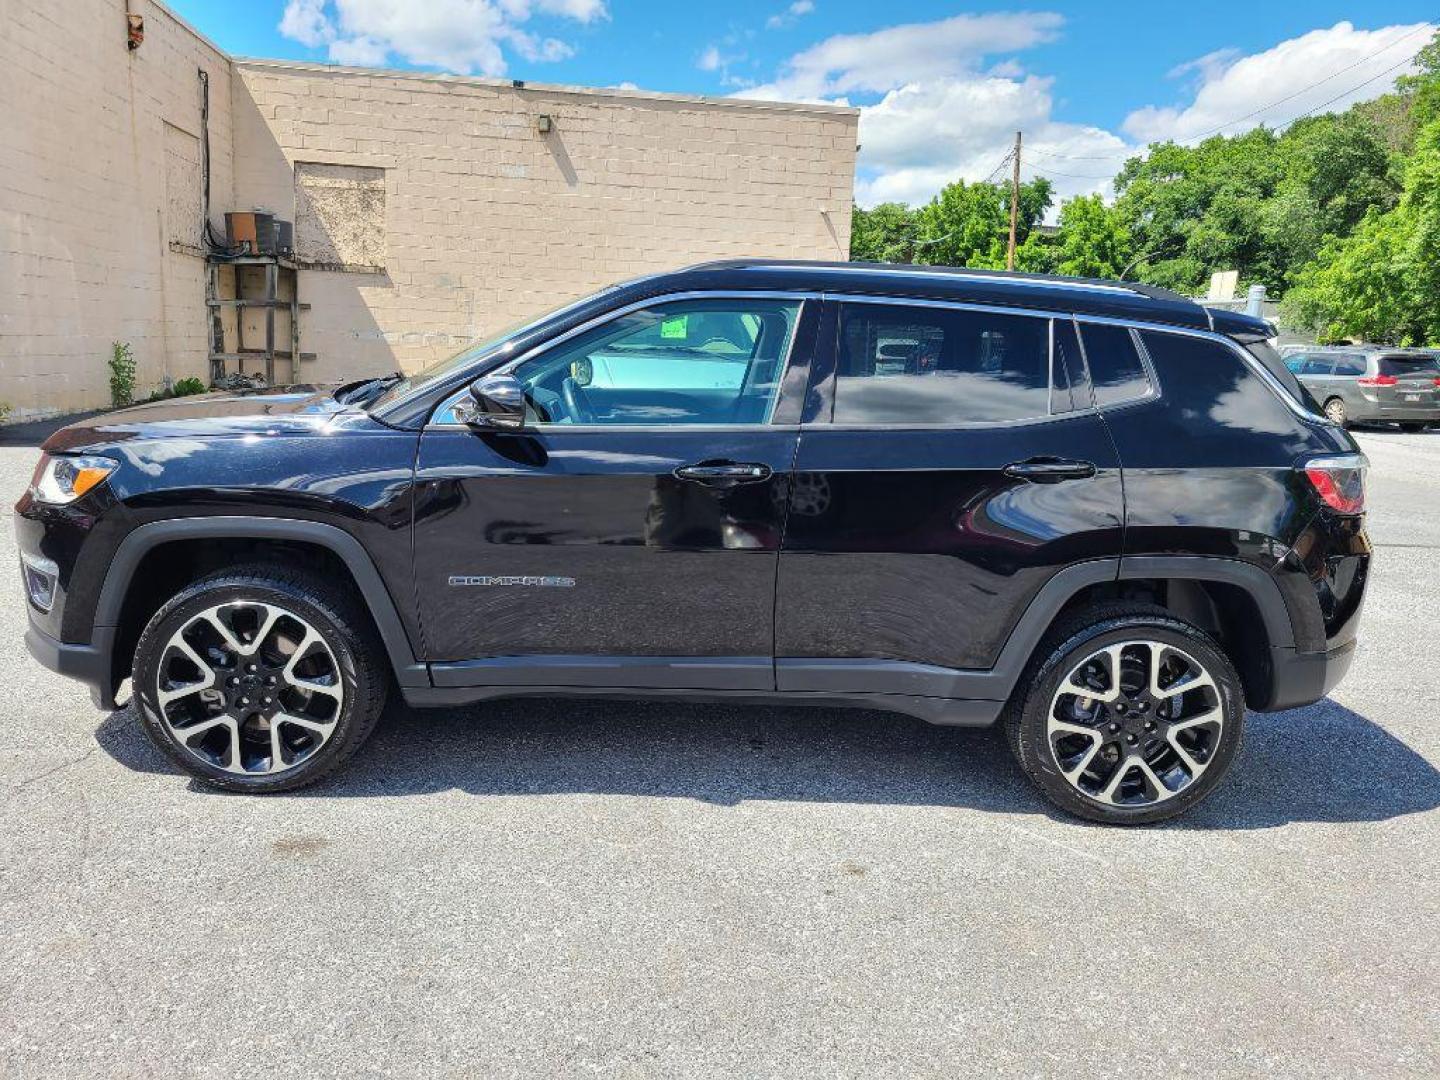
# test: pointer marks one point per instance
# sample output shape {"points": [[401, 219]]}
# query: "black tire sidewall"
{"points": [[1031, 741], [351, 727]]}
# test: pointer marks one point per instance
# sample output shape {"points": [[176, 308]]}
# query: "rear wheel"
{"points": [[1336, 411], [259, 679], [1130, 717], [1412, 428]]}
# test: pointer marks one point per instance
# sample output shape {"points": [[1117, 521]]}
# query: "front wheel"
{"points": [[1130, 717], [1411, 428], [259, 679]]}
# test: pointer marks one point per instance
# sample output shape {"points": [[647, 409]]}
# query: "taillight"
{"points": [[1437, 381], [1378, 380], [1339, 480]]}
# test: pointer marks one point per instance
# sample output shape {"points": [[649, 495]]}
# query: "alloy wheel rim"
{"points": [[1335, 411], [1135, 724], [249, 687]]}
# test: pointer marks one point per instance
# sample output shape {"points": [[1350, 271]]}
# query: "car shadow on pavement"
{"points": [[1323, 763]]}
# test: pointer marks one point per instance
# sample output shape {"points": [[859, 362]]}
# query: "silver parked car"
{"points": [[1360, 384]]}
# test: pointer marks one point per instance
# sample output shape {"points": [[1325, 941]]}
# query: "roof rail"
{"points": [[1151, 292]]}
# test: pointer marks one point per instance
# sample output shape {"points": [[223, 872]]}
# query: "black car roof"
{"points": [[1088, 296]]}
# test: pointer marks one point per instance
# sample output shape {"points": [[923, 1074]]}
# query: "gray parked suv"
{"points": [[1372, 384]]}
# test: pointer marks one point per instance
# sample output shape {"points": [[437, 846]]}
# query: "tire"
{"points": [[1181, 747], [1336, 411], [1413, 428], [315, 704]]}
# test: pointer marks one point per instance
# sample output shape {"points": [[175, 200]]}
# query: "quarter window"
{"points": [[929, 365], [687, 362], [1116, 370]]}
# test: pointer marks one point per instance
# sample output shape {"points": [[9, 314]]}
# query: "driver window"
{"points": [[686, 362]]}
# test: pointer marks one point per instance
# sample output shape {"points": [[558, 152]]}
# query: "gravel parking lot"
{"points": [[573, 889]]}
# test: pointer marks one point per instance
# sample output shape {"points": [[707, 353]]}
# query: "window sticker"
{"points": [[672, 329]]}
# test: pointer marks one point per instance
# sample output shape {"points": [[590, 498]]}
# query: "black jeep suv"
{"points": [[1097, 512]]}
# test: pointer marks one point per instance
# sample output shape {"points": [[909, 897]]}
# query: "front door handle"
{"points": [[1050, 470], [724, 472]]}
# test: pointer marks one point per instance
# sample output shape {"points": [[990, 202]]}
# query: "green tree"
{"points": [[885, 233], [1421, 90], [964, 225], [1382, 282], [1093, 241]]}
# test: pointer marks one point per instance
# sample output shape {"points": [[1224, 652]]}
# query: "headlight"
{"points": [[61, 479]]}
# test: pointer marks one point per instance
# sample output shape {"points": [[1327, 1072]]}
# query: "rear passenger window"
{"points": [[923, 365], [1350, 365], [1115, 367]]}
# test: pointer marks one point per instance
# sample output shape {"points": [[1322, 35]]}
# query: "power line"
{"points": [[1266, 108], [995, 172], [1068, 175], [1312, 86], [1285, 124]]}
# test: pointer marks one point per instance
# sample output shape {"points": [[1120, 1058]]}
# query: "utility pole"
{"points": [[1014, 205]]}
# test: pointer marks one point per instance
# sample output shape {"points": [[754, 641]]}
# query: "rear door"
{"points": [[948, 467], [629, 535]]}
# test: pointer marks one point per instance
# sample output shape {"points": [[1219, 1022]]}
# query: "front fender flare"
{"points": [[408, 670]]}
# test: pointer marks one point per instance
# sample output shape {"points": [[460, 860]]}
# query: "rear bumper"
{"points": [[1304, 678], [89, 664], [1374, 412]]}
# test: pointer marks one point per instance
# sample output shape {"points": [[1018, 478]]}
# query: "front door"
{"points": [[960, 465], [629, 535]]}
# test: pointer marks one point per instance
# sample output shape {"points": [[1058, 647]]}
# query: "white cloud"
{"points": [[946, 104], [465, 36], [304, 21], [912, 53], [943, 100], [1229, 87], [788, 17], [710, 59]]}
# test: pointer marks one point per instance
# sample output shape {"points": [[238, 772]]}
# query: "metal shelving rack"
{"points": [[280, 274]]}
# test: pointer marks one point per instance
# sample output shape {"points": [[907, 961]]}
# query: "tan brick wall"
{"points": [[487, 221], [91, 137]]}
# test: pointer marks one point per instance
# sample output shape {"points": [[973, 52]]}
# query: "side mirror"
{"points": [[497, 402]]}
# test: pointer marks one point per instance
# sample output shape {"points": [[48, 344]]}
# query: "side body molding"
{"points": [[408, 670], [862, 675]]}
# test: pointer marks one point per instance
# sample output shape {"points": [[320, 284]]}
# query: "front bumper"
{"points": [[89, 664]]}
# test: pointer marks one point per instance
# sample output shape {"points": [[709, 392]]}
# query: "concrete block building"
{"points": [[428, 210]]}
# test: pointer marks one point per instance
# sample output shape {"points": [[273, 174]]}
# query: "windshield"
{"points": [[472, 352]]}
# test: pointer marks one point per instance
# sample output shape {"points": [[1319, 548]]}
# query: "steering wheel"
{"points": [[577, 402]]}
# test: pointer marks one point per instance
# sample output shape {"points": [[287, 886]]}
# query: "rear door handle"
{"points": [[724, 472], [1050, 470]]}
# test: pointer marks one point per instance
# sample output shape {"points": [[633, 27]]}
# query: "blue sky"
{"points": [[942, 86]]}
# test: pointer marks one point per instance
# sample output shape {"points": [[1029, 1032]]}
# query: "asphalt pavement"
{"points": [[563, 889]]}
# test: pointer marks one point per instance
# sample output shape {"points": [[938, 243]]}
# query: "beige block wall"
{"points": [[99, 171], [487, 221]]}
